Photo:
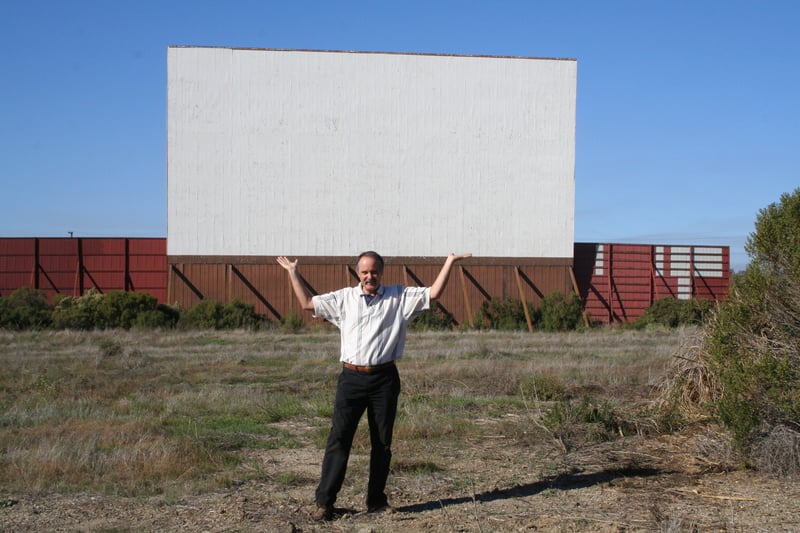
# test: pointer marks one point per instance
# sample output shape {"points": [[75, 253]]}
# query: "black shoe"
{"points": [[382, 509], [323, 513]]}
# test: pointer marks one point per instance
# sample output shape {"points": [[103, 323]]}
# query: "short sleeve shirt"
{"points": [[373, 331]]}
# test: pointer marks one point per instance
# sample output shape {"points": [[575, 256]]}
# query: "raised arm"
{"points": [[303, 296], [441, 280]]}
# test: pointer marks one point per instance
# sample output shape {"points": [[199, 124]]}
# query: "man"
{"points": [[373, 320]]}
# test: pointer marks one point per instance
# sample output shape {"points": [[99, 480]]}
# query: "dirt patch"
{"points": [[660, 483]]}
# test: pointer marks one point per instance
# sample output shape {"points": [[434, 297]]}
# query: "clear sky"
{"points": [[688, 112]]}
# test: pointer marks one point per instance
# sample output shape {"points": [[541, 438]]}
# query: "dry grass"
{"points": [[150, 412], [221, 431], [688, 386]]}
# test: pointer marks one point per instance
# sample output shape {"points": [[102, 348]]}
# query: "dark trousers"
{"points": [[376, 393]]}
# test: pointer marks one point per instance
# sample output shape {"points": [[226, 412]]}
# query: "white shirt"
{"points": [[372, 333]]}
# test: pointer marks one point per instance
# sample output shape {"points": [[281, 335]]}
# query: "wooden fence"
{"points": [[616, 282]]}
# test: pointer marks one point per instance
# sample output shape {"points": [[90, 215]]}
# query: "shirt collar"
{"points": [[379, 292]]}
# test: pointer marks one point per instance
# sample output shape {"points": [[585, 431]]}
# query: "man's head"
{"points": [[370, 271]]}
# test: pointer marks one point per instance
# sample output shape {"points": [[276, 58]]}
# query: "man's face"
{"points": [[369, 275]]}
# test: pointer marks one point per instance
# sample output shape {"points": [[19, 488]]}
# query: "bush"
{"points": [[671, 313], [752, 339], [162, 317], [503, 314], [755, 356], [25, 308], [205, 315], [239, 315], [211, 314], [119, 309], [77, 313], [775, 243], [433, 319], [561, 314], [28, 308]]}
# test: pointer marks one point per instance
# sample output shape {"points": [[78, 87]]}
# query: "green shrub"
{"points": [[77, 313], [433, 319], [561, 314], [503, 314], [211, 314], [205, 315], [672, 312], [239, 315], [775, 244], [753, 338], [755, 356], [25, 308], [162, 317], [119, 309]]}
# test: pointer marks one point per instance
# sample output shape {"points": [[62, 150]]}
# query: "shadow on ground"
{"points": [[567, 481]]}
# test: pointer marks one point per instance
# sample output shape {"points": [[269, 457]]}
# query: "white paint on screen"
{"points": [[708, 262], [704, 250], [325, 153], [659, 260], [599, 260]]}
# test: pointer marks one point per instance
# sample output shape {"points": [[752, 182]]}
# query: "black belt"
{"points": [[368, 369]]}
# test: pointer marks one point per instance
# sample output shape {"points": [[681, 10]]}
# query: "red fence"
{"points": [[73, 266], [616, 282]]}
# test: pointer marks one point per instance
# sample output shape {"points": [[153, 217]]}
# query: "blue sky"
{"points": [[688, 112]]}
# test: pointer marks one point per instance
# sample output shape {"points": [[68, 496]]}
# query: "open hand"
{"points": [[290, 266]]}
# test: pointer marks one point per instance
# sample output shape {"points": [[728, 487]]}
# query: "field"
{"points": [[497, 431]]}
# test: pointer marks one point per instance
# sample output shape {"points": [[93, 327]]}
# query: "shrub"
{"points": [[25, 308], [561, 314], [205, 315], [77, 313], [752, 338], [503, 314], [162, 317], [434, 318], [211, 314], [775, 243], [755, 356], [239, 315], [672, 312], [119, 309]]}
